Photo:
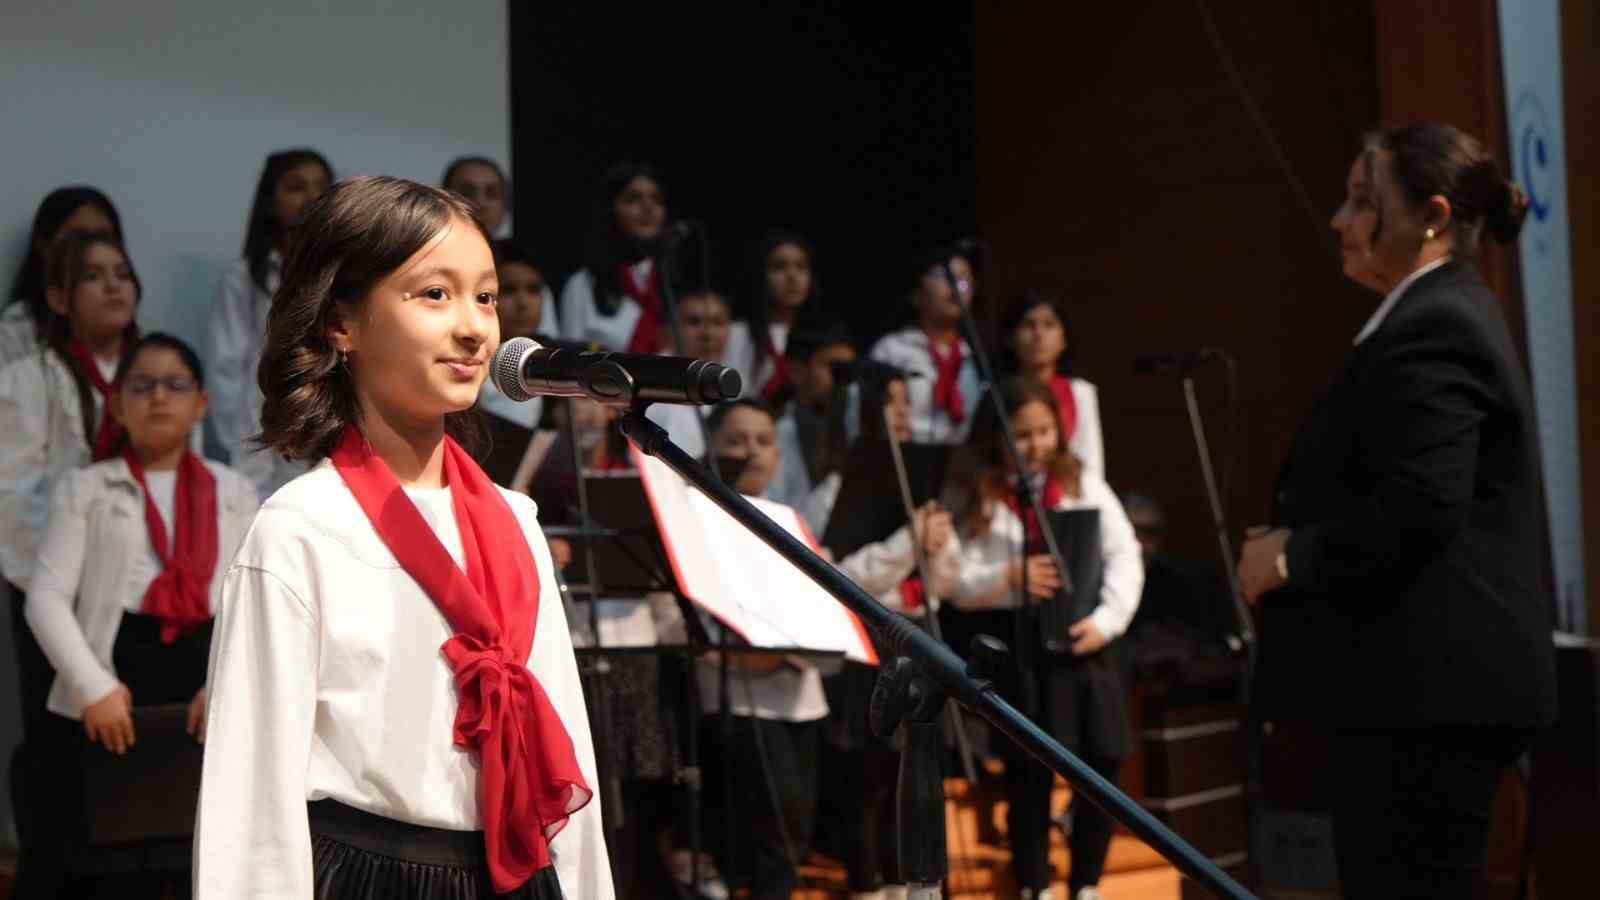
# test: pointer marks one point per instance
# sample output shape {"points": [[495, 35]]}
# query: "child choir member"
{"points": [[1039, 341], [785, 288], [481, 182], [1079, 696], [290, 180], [394, 706], [616, 300], [62, 211], [944, 385], [524, 304], [127, 579]]}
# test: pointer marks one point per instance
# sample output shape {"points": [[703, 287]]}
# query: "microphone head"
{"points": [[716, 383], [507, 368]]}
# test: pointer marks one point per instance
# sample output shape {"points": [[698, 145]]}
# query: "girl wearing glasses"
{"points": [[130, 567]]}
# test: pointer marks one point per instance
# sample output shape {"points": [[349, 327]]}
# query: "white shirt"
{"points": [[791, 484], [908, 351], [18, 337], [987, 555], [96, 561], [1393, 297], [1087, 442], [682, 424], [327, 681], [582, 321], [740, 354], [42, 437]]}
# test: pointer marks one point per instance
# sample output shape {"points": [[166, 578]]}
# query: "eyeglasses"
{"points": [[144, 387]]}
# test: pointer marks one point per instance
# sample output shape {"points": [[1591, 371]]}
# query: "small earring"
{"points": [[1428, 234]]}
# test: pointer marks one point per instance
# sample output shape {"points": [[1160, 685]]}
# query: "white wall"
{"points": [[171, 106]]}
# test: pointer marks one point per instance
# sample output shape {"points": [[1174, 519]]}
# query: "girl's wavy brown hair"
{"points": [[351, 238], [994, 479]]}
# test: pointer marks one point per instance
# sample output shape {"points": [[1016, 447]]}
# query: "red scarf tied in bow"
{"points": [[109, 433], [529, 781], [780, 383], [181, 595], [947, 382], [646, 336]]}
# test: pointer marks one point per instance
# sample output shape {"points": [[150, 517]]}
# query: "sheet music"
{"points": [[741, 581]]}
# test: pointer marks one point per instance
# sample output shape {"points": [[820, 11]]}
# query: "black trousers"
{"points": [[1411, 808], [1028, 787], [864, 780], [763, 836]]}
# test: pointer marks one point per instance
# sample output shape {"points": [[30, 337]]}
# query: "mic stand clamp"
{"points": [[906, 705]]}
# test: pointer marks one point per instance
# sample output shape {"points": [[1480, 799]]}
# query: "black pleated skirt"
{"points": [[360, 856]]}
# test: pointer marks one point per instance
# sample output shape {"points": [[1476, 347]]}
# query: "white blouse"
{"points": [[327, 681], [1086, 441], [18, 337], [96, 561], [987, 554], [42, 438], [238, 328], [582, 321], [907, 350], [741, 354]]}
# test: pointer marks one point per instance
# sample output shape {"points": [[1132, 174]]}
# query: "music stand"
{"points": [[869, 508]]}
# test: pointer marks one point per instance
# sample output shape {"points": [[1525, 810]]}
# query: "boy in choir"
{"points": [[128, 577], [703, 320], [815, 348], [944, 389], [394, 705]]}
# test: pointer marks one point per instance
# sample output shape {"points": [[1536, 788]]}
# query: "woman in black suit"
{"points": [[1402, 592]]}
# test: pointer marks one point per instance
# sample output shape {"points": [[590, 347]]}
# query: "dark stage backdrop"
{"points": [[850, 123]]}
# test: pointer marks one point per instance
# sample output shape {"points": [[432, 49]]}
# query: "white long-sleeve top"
{"points": [[238, 328], [581, 319], [987, 555], [907, 350], [1086, 442], [42, 437], [879, 568], [18, 338], [327, 681], [96, 561], [741, 354]]}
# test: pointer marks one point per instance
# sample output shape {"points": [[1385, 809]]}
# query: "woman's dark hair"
{"points": [[351, 238], [760, 315], [158, 340], [926, 260], [606, 246], [871, 381], [1017, 310], [53, 212], [264, 230], [458, 162], [1432, 159]]}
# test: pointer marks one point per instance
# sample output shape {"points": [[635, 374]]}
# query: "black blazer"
{"points": [[1417, 592]]}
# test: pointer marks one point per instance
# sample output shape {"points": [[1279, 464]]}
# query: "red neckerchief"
{"points": [[947, 383], [1034, 538], [1061, 386], [181, 595], [780, 382], [646, 336], [529, 781], [110, 432]]}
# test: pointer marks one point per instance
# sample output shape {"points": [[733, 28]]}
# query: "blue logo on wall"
{"points": [[1537, 167]]}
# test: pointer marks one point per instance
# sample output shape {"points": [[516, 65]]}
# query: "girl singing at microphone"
{"points": [[395, 709]]}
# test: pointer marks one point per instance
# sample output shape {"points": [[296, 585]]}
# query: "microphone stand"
{"points": [[938, 672], [1244, 641], [669, 299], [1027, 498]]}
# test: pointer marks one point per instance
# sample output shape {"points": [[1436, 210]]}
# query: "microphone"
{"points": [[522, 368], [1173, 363]]}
